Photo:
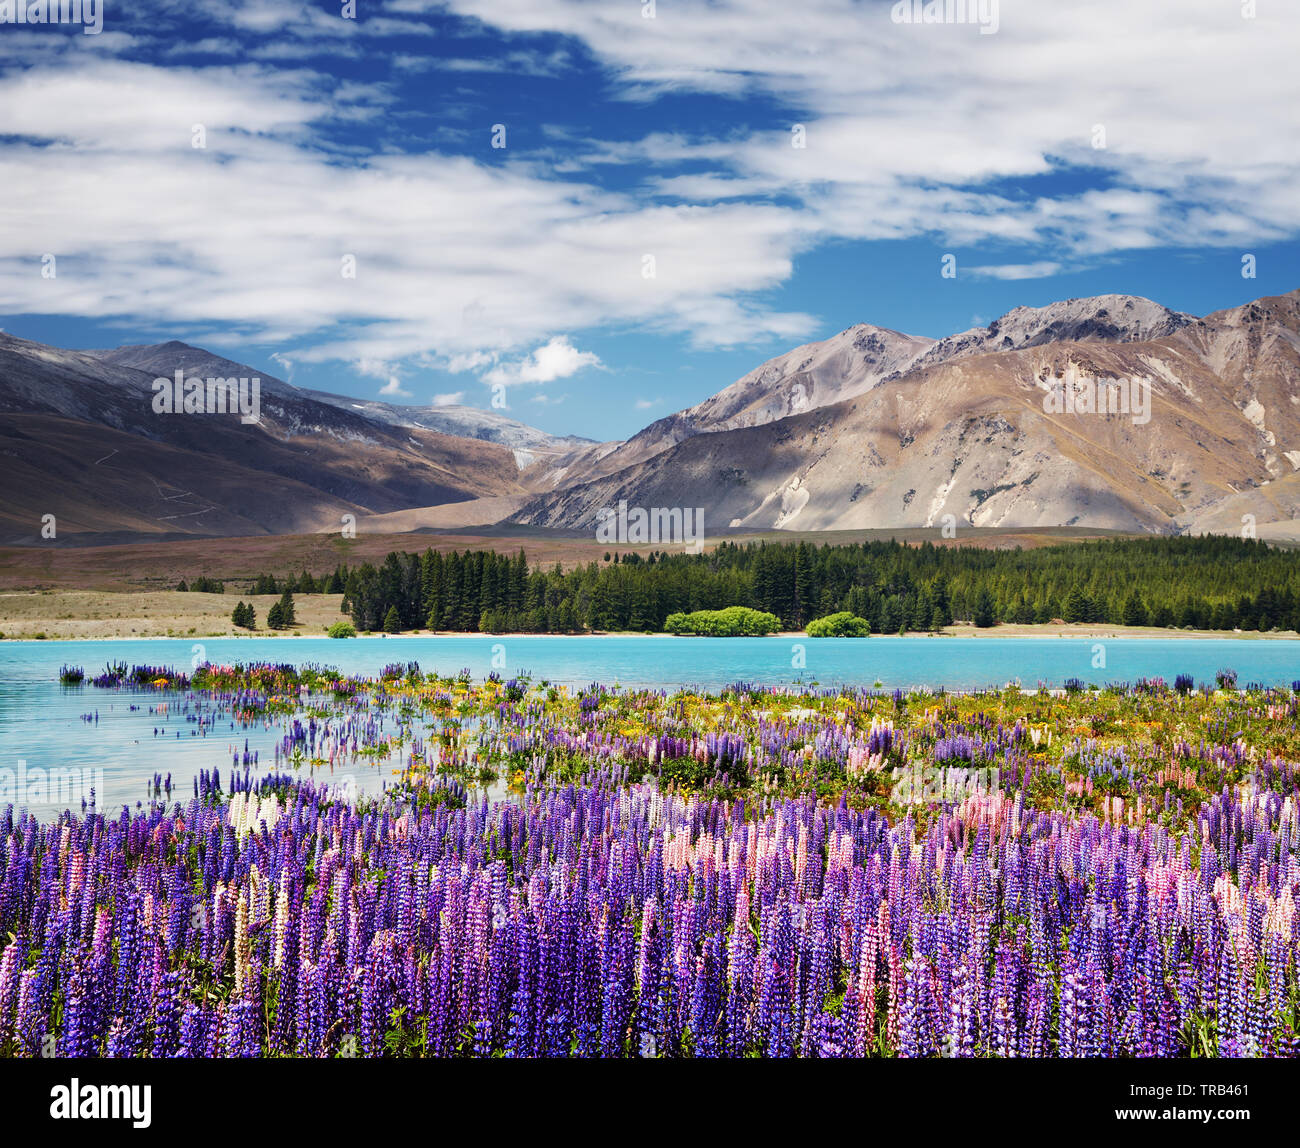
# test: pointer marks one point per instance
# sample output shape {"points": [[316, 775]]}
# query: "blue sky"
{"points": [[1059, 150]]}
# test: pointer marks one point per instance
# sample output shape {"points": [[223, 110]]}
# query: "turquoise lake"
{"points": [[42, 726]]}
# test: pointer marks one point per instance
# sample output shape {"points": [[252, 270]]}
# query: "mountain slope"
{"points": [[811, 376], [870, 428], [970, 435], [858, 359], [528, 443], [302, 467]]}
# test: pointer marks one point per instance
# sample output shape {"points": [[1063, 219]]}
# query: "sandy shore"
{"points": [[85, 615]]}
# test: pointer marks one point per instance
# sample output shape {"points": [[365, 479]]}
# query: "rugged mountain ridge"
{"points": [[808, 377], [861, 357], [869, 428], [1093, 319], [966, 431]]}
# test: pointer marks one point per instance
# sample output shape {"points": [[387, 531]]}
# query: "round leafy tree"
{"points": [[841, 625]]}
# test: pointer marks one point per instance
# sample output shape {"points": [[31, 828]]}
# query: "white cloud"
{"points": [[516, 63], [449, 399], [907, 124], [287, 19], [1040, 270], [373, 368], [394, 387], [285, 363], [911, 131], [557, 359], [646, 404], [455, 259], [473, 361]]}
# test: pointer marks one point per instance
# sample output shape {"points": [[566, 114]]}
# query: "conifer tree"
{"points": [[1135, 614]]}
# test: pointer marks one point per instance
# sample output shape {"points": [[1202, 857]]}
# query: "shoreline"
{"points": [[995, 633], [159, 615]]}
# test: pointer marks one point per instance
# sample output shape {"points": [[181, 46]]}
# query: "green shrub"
{"points": [[342, 630], [841, 625], [733, 622]]}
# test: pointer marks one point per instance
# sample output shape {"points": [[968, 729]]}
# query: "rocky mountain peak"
{"points": [[1094, 318]]}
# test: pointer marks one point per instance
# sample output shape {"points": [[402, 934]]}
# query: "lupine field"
{"points": [[772, 873]]}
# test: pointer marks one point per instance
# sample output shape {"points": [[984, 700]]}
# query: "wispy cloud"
{"points": [[1040, 270], [451, 256], [894, 145], [474, 258], [285, 363]]}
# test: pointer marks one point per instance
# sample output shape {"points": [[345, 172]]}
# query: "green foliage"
{"points": [[840, 625], [1135, 613], [287, 614], [304, 583], [392, 621], [244, 616], [342, 630], [1206, 582], [731, 622]]}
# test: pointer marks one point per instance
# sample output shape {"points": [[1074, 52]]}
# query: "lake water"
{"points": [[41, 724]]}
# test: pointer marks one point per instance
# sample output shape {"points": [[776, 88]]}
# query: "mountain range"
{"points": [[871, 428], [868, 428], [79, 439]]}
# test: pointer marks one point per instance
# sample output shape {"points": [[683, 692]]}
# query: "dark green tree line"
{"points": [[1210, 582]]}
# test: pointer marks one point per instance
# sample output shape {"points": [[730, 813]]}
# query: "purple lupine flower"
{"points": [[350, 914]]}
